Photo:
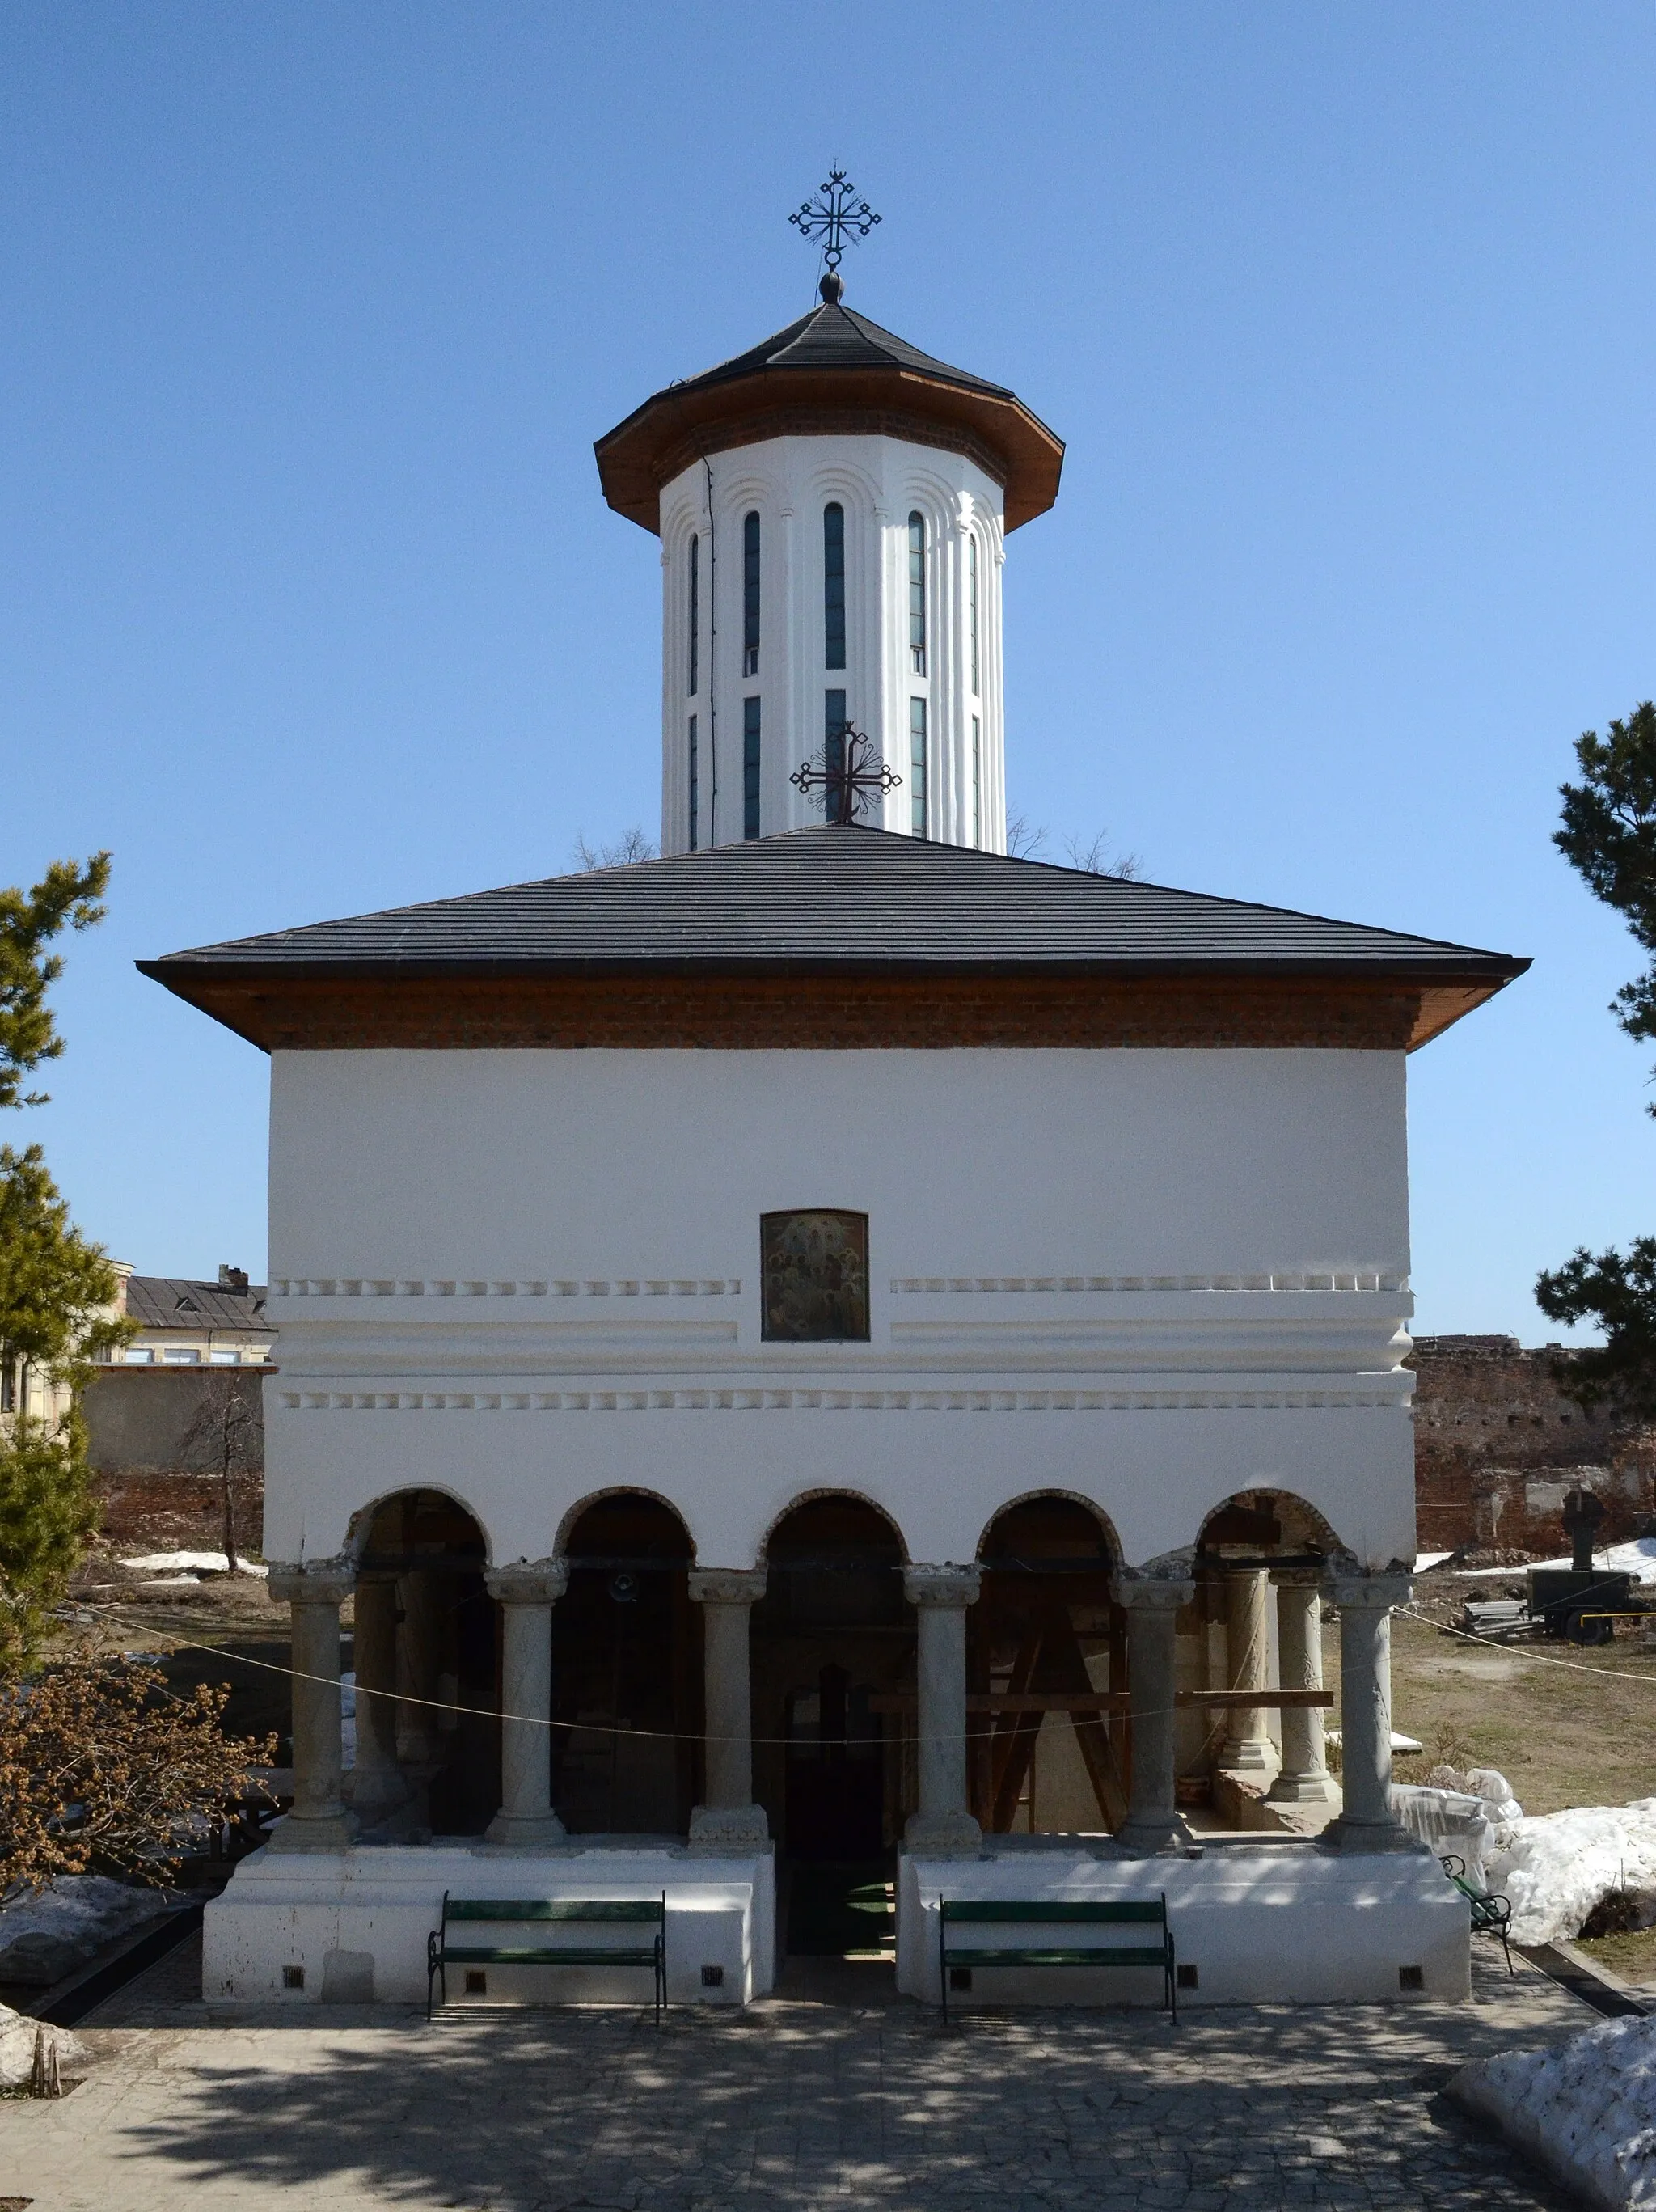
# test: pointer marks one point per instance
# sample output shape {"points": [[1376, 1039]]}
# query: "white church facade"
{"points": [[837, 1346]]}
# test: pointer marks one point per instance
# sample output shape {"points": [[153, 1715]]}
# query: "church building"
{"points": [[836, 1348]]}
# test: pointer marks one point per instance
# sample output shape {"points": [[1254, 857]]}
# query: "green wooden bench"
{"points": [[441, 1952], [1492, 1914], [960, 1959]]}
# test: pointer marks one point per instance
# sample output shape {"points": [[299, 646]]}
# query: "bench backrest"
{"points": [[1091, 1912], [614, 1910]]}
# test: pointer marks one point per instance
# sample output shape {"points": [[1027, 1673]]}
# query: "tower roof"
{"points": [[832, 371]]}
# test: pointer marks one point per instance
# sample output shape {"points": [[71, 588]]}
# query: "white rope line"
{"points": [[593, 1728]]}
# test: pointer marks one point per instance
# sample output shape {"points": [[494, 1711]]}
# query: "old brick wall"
{"points": [[1497, 1445]]}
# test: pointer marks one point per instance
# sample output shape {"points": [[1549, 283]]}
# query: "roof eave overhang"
{"points": [[228, 991], [662, 437]]}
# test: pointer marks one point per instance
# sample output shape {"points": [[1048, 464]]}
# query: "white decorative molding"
{"points": [[1364, 1279], [388, 1286], [869, 1401]]}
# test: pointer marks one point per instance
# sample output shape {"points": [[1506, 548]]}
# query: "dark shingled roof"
{"points": [[834, 898], [174, 1302], [833, 337]]}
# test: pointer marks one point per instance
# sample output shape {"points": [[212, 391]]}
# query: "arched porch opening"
{"points": [[626, 1672], [1261, 1559], [1045, 1635], [833, 1655], [424, 1625]]}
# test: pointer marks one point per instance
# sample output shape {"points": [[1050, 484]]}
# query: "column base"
{"points": [[1310, 1787], [717, 1827], [1251, 1755], [1154, 1839], [374, 1800], [525, 1830], [943, 1836], [299, 1832], [1370, 1836]]}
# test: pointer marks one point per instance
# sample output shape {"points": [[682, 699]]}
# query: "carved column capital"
{"points": [[1377, 1592], [532, 1581], [942, 1585], [1153, 1593], [727, 1585], [326, 1582]]}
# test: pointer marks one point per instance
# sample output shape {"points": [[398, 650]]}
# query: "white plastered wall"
{"points": [[1148, 1278], [788, 481]]}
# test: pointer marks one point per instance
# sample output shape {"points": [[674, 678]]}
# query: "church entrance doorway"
{"points": [[833, 1666]]}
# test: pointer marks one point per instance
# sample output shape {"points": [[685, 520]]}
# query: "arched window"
{"points": [[833, 586], [751, 768], [696, 616], [971, 595], [916, 590], [750, 596]]}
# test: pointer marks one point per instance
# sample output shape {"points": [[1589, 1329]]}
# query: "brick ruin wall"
{"points": [[1497, 1446]]}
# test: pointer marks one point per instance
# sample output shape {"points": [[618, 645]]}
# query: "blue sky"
{"points": [[309, 603]]}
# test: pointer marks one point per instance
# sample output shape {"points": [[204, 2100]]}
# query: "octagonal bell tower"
{"points": [[833, 508]]}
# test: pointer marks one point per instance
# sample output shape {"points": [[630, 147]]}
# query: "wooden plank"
{"points": [[1231, 1701]]}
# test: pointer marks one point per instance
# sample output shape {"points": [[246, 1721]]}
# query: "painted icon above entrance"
{"points": [[814, 1266]]}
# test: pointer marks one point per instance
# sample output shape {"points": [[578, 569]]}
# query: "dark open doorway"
{"points": [[627, 1674]]}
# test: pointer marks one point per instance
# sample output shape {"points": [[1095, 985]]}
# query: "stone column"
{"points": [[319, 1821], [418, 1740], [1367, 1822], [729, 1819], [944, 1825], [1247, 1747], [526, 1595], [1304, 1779], [1152, 1603], [376, 1787]]}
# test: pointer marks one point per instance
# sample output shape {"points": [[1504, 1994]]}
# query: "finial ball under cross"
{"points": [[837, 218]]}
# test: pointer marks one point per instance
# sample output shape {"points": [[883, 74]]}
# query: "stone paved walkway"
{"points": [[800, 2105]]}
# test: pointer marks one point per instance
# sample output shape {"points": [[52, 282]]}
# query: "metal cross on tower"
{"points": [[848, 773], [837, 219]]}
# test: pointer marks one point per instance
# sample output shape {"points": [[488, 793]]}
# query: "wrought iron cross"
{"points": [[837, 219], [848, 772]]}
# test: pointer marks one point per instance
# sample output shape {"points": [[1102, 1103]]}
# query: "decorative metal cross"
{"points": [[837, 219], [848, 772]]}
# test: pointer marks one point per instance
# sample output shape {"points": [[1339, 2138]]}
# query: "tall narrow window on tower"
{"points": [[916, 590], [833, 744], [833, 586], [696, 619], [750, 596], [751, 767], [971, 597], [917, 765], [977, 780], [694, 792]]}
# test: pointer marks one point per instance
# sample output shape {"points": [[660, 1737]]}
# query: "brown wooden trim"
{"points": [[826, 1012]]}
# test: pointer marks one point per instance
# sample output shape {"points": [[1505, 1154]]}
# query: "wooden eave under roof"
{"points": [[661, 439], [793, 1006]]}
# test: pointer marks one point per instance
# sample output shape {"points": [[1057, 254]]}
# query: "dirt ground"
{"points": [[1565, 1726]]}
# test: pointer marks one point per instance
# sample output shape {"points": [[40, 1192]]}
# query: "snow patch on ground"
{"points": [[212, 1563], [1557, 1866], [1586, 2111], [1424, 1559], [43, 1937], [18, 2035], [1637, 1559]]}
